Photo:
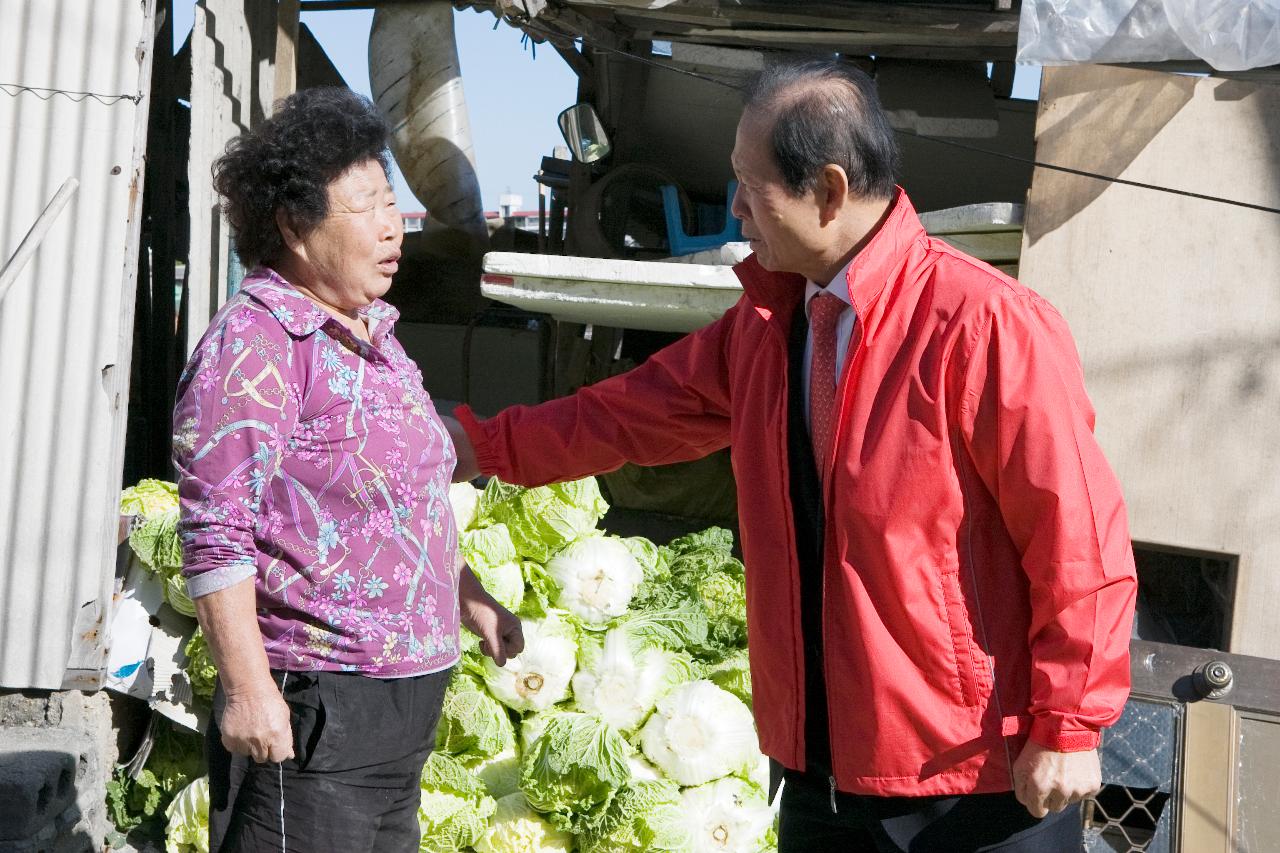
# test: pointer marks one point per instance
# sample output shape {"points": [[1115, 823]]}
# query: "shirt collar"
{"points": [[302, 317], [836, 287], [866, 276]]}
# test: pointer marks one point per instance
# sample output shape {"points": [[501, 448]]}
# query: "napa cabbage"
{"points": [[188, 827], [539, 676], [517, 828], [499, 773], [455, 808], [505, 582], [472, 721], [728, 815], [596, 577], [202, 672], [157, 544], [464, 499], [699, 732], [149, 497], [645, 815], [175, 592], [545, 519], [572, 771], [733, 674], [620, 683], [488, 546]]}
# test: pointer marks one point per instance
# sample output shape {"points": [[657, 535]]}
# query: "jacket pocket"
{"points": [[973, 676]]}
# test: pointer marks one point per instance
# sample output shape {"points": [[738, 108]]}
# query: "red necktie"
{"points": [[824, 314]]}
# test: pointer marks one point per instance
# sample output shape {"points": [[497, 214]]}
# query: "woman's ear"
{"points": [[292, 241]]}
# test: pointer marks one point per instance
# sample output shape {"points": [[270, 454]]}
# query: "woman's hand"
{"points": [[256, 723], [498, 628]]}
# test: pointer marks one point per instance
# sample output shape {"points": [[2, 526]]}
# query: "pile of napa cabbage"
{"points": [[625, 724]]}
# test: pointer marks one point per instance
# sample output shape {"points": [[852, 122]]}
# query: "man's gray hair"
{"points": [[826, 111]]}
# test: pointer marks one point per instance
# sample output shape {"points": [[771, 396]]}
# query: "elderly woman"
{"points": [[319, 544]]}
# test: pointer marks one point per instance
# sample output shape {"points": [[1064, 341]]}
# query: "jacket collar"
{"points": [[301, 317], [867, 274]]}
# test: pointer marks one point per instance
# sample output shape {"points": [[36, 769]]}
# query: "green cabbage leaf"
{"points": [[455, 808], [572, 771], [188, 827]]}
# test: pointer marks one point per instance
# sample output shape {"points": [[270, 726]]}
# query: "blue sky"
{"points": [[513, 97], [513, 93]]}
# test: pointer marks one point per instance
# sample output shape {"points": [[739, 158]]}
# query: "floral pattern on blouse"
{"points": [[316, 463]]}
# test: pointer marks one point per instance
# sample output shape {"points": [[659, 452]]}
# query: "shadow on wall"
{"points": [[1102, 122]]}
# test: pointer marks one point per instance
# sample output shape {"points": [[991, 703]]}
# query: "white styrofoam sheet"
{"points": [[651, 295], [147, 657]]}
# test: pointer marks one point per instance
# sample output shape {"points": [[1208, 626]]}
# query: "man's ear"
{"points": [[292, 241], [832, 192]]}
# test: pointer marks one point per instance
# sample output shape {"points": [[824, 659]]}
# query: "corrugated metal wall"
{"points": [[66, 323]]}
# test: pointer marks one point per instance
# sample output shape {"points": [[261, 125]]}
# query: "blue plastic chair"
{"points": [[681, 243]]}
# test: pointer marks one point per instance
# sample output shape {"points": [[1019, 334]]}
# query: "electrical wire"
{"points": [[284, 846], [1084, 173], [553, 36], [1087, 174], [15, 89]]}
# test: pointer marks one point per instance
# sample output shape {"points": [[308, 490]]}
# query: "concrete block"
{"points": [[30, 708], [49, 790]]}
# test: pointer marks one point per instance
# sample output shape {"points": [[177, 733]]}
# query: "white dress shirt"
{"points": [[844, 329]]}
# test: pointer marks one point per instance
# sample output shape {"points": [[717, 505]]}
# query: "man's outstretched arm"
{"points": [[673, 408]]}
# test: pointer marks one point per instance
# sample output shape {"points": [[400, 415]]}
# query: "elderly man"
{"points": [[940, 582]]}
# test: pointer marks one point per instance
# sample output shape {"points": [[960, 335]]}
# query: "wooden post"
{"points": [[286, 61], [232, 84]]}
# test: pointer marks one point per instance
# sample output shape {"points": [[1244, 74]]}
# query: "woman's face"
{"points": [[349, 259]]}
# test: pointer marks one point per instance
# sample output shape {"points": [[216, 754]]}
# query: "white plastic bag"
{"points": [[1230, 35]]}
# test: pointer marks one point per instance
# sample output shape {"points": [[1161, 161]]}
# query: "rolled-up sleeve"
{"points": [[236, 408]]}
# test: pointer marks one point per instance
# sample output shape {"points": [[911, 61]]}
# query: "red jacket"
{"points": [[975, 533]]}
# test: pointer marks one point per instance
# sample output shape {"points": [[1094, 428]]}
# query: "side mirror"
{"points": [[584, 133]]}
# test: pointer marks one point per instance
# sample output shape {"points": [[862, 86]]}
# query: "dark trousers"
{"points": [[353, 784], [975, 823]]}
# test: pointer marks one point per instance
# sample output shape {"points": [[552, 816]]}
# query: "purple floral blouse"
{"points": [[316, 463]]}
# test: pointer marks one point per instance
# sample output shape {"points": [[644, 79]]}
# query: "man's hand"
{"points": [[1046, 781], [498, 628], [468, 468], [257, 724]]}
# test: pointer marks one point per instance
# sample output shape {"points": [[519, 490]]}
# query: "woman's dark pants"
{"points": [[353, 784]]}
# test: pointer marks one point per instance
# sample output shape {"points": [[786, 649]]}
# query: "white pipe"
{"points": [[36, 235], [416, 81]]}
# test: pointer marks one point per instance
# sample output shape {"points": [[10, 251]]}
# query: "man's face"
{"points": [[355, 251], [784, 230]]}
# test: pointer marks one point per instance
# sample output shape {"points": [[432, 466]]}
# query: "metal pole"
{"points": [[36, 235]]}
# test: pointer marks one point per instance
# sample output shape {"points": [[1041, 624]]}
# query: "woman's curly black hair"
{"points": [[287, 162]]}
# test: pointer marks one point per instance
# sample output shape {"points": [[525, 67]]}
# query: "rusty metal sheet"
{"points": [[73, 84]]}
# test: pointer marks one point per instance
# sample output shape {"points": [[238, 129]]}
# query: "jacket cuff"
{"points": [[1061, 735], [486, 458]]}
